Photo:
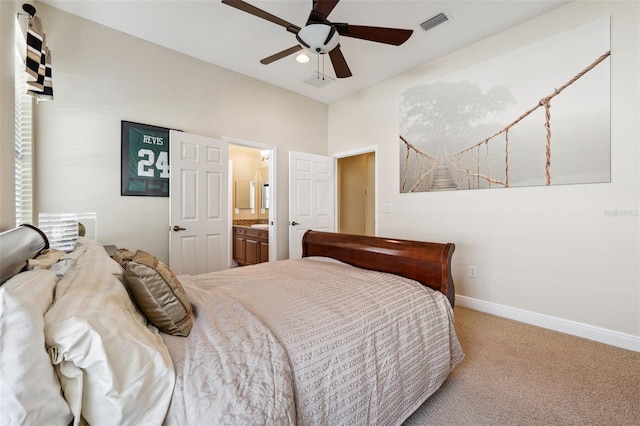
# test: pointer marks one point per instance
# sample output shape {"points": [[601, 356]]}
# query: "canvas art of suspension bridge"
{"points": [[536, 116]]}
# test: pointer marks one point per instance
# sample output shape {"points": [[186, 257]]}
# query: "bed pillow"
{"points": [[112, 367], [122, 256], [159, 294], [30, 392]]}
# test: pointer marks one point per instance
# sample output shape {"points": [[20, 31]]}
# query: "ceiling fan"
{"points": [[321, 36]]}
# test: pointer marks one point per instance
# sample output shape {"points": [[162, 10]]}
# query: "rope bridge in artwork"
{"points": [[435, 173]]}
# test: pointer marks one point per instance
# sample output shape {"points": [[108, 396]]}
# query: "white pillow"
{"points": [[112, 368], [30, 392]]}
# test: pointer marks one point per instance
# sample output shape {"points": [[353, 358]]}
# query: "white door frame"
{"points": [[351, 153], [273, 194]]}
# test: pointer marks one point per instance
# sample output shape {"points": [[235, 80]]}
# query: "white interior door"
{"points": [[311, 197], [199, 200]]}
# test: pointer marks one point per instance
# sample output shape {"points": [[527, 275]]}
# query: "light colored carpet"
{"points": [[518, 374]]}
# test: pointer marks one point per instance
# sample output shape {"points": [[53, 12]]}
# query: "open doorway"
{"points": [[356, 194], [251, 196]]}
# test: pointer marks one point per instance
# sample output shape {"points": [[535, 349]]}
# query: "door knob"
{"points": [[178, 228], [294, 223]]}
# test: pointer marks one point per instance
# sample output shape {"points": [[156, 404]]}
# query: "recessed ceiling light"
{"points": [[303, 58]]}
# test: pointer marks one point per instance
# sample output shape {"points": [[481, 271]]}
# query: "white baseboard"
{"points": [[598, 334]]}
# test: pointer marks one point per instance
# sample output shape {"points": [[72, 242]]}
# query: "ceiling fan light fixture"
{"points": [[321, 36], [303, 58], [318, 38]]}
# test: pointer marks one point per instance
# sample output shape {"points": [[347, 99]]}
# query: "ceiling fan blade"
{"points": [[324, 6], [246, 7], [339, 63], [394, 36], [281, 55]]}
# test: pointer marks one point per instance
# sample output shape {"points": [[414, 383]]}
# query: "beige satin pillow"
{"points": [[159, 294], [122, 256]]}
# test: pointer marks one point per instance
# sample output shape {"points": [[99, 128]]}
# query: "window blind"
{"points": [[23, 137]]}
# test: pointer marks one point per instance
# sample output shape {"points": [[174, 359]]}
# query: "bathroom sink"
{"points": [[260, 226]]}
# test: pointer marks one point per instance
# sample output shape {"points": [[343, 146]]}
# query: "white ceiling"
{"points": [[230, 38]]}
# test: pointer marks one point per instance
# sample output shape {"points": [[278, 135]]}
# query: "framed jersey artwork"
{"points": [[145, 160]]}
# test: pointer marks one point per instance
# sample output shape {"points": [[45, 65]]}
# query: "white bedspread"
{"points": [[309, 342]]}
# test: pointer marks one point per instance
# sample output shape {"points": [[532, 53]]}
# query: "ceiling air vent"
{"points": [[431, 23]]}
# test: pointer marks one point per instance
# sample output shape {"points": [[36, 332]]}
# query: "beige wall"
{"points": [[8, 10], [101, 77], [551, 251]]}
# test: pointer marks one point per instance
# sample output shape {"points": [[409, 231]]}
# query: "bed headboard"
{"points": [[427, 263], [17, 246]]}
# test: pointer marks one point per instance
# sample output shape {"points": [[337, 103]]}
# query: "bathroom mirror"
{"points": [[245, 194]]}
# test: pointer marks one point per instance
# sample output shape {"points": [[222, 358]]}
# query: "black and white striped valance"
{"points": [[38, 62]]}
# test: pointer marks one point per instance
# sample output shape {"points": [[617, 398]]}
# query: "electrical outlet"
{"points": [[473, 273]]}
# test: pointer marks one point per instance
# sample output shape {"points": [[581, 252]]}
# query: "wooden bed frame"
{"points": [[427, 263]]}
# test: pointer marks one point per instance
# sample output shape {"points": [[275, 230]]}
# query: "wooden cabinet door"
{"points": [[239, 248], [264, 251], [252, 251]]}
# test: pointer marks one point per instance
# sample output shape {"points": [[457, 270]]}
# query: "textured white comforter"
{"points": [[309, 342]]}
